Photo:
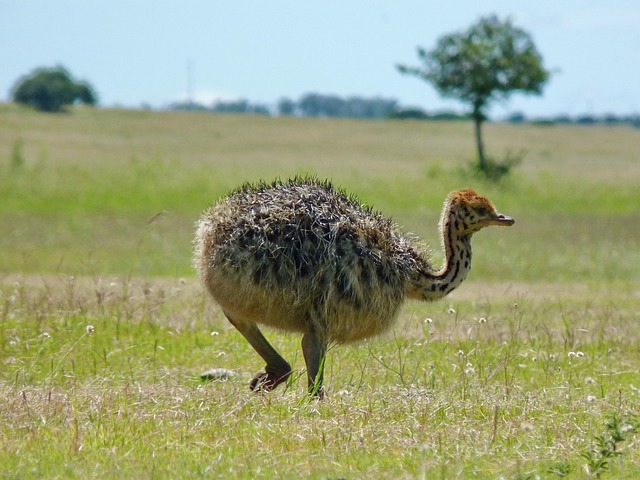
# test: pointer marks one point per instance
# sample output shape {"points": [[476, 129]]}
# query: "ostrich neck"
{"points": [[432, 284]]}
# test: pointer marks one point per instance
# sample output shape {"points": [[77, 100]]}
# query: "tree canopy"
{"points": [[489, 61], [51, 90]]}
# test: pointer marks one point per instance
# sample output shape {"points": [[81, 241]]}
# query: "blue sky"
{"points": [[152, 51]]}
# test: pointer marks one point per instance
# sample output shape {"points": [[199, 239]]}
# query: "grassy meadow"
{"points": [[531, 369]]}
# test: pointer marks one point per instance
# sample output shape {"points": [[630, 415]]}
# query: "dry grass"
{"points": [[335, 148]]}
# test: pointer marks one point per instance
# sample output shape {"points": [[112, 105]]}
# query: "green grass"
{"points": [[529, 370], [101, 380], [81, 197]]}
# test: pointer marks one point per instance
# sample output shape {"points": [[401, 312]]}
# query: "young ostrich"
{"points": [[302, 256]]}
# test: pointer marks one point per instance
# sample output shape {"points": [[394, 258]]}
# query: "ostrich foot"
{"points": [[267, 381]]}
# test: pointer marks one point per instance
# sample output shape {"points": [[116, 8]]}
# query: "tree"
{"points": [[489, 61], [318, 105], [51, 90], [286, 107]]}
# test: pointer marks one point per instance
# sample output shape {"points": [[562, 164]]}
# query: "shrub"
{"points": [[51, 90]]}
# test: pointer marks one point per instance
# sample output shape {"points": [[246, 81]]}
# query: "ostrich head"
{"points": [[466, 213]]}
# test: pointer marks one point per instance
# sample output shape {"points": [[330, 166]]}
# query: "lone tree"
{"points": [[51, 90], [489, 61]]}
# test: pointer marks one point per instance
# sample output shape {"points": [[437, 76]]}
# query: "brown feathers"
{"points": [[300, 253]]}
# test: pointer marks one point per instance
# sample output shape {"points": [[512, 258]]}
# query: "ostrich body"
{"points": [[302, 256]]}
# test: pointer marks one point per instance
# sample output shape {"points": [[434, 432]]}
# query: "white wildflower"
{"points": [[527, 427]]}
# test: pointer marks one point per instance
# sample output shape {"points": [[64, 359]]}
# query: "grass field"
{"points": [[529, 370]]}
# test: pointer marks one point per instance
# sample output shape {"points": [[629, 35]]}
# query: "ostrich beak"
{"points": [[503, 220]]}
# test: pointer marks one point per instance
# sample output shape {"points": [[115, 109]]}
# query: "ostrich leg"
{"points": [[277, 369], [314, 350]]}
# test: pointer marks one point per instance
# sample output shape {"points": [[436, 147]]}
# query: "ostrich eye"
{"points": [[482, 211]]}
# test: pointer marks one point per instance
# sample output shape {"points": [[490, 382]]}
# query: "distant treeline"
{"points": [[310, 105], [334, 106], [320, 105], [223, 106], [585, 119]]}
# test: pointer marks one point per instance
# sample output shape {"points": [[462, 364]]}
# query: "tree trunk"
{"points": [[478, 118]]}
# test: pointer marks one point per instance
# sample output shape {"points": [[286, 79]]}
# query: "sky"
{"points": [[155, 52]]}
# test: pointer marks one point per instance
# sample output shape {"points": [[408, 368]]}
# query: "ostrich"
{"points": [[303, 256]]}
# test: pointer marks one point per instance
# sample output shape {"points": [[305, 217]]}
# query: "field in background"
{"points": [[103, 329], [99, 192]]}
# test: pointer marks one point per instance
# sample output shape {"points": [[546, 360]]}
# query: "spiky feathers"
{"points": [[301, 254]]}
